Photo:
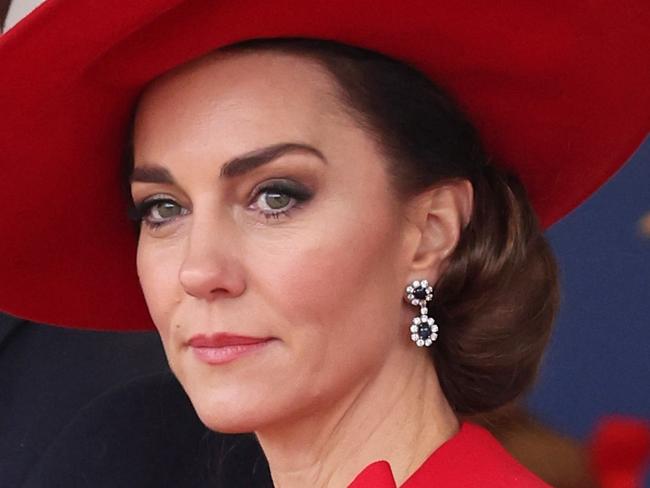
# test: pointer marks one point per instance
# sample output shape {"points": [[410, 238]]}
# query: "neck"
{"points": [[400, 416]]}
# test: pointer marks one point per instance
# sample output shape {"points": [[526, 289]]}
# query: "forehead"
{"points": [[259, 96]]}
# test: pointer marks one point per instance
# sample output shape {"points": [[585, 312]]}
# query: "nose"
{"points": [[211, 267]]}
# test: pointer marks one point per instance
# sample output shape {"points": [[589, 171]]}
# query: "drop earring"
{"points": [[424, 330]]}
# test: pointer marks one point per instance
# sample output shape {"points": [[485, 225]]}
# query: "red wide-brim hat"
{"points": [[560, 92]]}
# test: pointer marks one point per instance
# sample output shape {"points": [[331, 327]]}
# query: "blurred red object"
{"points": [[619, 451]]}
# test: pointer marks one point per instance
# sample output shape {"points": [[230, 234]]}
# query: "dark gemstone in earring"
{"points": [[420, 293], [424, 332]]}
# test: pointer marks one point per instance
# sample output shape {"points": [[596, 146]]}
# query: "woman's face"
{"points": [[303, 249]]}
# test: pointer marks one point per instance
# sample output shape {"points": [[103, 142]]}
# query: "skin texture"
{"points": [[341, 384]]}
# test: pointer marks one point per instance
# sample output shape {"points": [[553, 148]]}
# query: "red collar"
{"points": [[473, 458]]}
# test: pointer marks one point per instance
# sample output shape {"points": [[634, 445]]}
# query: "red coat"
{"points": [[473, 458]]}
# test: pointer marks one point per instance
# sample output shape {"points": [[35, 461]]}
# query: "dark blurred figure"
{"points": [[47, 374]]}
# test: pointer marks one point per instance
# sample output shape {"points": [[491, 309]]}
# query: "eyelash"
{"points": [[298, 194]]}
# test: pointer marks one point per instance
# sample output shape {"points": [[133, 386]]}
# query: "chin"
{"points": [[230, 408], [230, 416], [227, 424]]}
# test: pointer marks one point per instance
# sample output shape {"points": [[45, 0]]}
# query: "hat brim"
{"points": [[558, 91]]}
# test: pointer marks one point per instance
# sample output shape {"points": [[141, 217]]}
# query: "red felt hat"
{"points": [[558, 90]]}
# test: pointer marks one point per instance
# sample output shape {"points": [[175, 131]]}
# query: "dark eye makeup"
{"points": [[274, 198]]}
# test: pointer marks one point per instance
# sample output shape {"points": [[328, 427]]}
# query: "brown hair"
{"points": [[497, 299]]}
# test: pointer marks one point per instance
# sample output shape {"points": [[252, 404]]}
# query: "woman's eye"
{"points": [[164, 211], [273, 201], [158, 211], [280, 197]]}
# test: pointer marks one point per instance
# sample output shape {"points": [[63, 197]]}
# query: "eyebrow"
{"points": [[153, 173]]}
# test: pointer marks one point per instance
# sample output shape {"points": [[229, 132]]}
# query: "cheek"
{"points": [[158, 265], [338, 287]]}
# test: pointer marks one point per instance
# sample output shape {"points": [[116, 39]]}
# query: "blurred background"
{"points": [[598, 361]]}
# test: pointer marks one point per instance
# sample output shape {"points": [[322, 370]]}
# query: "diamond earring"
{"points": [[423, 328]]}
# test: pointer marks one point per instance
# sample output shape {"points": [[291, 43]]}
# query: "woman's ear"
{"points": [[440, 214]]}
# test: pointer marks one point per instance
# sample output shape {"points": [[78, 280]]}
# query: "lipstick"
{"points": [[223, 348]]}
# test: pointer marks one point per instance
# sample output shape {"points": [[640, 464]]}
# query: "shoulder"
{"points": [[473, 458]]}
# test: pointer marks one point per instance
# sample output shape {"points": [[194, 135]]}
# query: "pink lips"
{"points": [[224, 348]]}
